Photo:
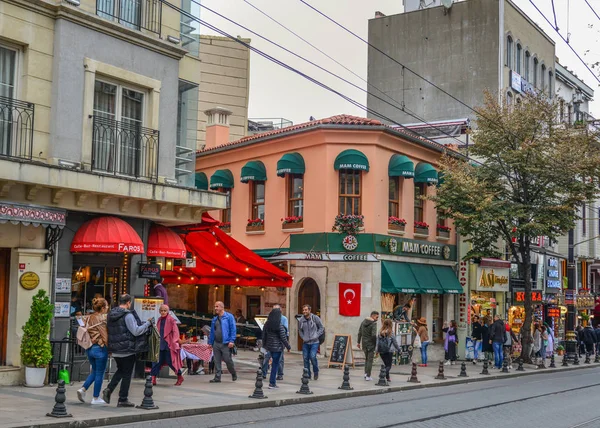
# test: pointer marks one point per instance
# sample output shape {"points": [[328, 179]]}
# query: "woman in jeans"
{"points": [[98, 353], [274, 339], [386, 346], [424, 336]]}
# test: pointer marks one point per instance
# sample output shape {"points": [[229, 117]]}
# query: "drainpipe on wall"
{"points": [[500, 49], [52, 287]]}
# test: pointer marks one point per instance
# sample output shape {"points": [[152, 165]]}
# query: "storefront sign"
{"points": [[519, 296], [62, 285], [149, 271], [554, 312], [31, 214], [584, 301], [29, 280], [348, 257], [569, 297], [515, 81], [62, 309], [425, 249], [492, 279]]}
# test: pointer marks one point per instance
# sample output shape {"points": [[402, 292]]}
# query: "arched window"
{"points": [[527, 61], [543, 78], [519, 59], [509, 52], [535, 72], [550, 75], [509, 98]]}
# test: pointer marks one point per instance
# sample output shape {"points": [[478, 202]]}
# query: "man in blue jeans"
{"points": [[310, 329], [497, 339]]}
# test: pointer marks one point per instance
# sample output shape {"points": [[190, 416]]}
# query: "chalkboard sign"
{"points": [[341, 351], [150, 271]]}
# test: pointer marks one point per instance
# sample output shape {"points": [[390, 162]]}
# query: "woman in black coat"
{"points": [[274, 339], [486, 347]]}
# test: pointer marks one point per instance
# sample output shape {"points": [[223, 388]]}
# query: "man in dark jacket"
{"points": [[589, 339], [597, 333], [476, 336], [125, 339], [367, 336], [497, 339]]}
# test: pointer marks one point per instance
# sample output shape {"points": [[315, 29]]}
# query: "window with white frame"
{"points": [[8, 71], [509, 52]]}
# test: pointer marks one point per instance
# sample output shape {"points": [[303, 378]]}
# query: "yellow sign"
{"points": [[29, 280], [493, 280], [563, 310]]}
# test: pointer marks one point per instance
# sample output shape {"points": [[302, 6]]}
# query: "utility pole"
{"points": [[571, 315]]}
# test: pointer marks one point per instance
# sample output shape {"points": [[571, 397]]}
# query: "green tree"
{"points": [[35, 345], [533, 174]]}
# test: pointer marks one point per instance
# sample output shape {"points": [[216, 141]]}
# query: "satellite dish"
{"points": [[447, 3]]}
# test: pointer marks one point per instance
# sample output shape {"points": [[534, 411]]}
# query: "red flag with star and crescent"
{"points": [[349, 299]]}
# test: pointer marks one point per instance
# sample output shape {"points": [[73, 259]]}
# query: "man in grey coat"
{"points": [[310, 328]]}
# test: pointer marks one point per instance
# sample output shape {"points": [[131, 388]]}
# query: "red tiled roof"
{"points": [[342, 119]]}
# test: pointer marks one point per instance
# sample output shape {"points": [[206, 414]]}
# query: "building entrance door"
{"points": [[309, 294], [4, 284]]}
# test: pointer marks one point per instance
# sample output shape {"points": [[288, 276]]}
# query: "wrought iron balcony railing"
{"points": [[16, 128], [135, 14], [125, 148]]}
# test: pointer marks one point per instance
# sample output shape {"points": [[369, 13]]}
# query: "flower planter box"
{"points": [[396, 227], [443, 233], [422, 230], [225, 229], [298, 225], [260, 228]]}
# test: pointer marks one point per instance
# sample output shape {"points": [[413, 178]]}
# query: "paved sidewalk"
{"points": [[20, 406]]}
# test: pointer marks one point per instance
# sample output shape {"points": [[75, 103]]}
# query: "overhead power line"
{"points": [[595, 13]]}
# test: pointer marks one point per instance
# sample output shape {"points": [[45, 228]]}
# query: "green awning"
{"points": [[351, 159], [222, 178], [398, 278], [201, 181], [425, 173], [415, 278], [448, 279], [401, 166], [255, 171], [427, 279], [290, 163]]}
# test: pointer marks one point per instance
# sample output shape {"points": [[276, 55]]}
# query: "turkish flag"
{"points": [[349, 299]]}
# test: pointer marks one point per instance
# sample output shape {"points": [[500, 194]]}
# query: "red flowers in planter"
{"points": [[442, 227], [226, 225], [287, 220], [349, 224], [256, 222], [421, 224], [396, 220]]}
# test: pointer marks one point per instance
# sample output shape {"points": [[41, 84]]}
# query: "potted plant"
{"points": [[443, 231], [349, 224], [225, 227], [255, 225], [560, 350], [292, 222], [395, 223], [36, 351], [421, 228]]}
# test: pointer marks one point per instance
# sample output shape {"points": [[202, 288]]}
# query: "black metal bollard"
{"points": [[346, 380], [564, 361], [440, 375], [413, 374], [258, 386], [485, 370], [382, 377], [597, 358], [505, 366], [148, 402], [552, 362], [576, 359], [520, 368], [587, 359], [304, 389], [60, 410], [463, 370]]}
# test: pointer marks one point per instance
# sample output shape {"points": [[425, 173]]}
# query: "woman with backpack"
{"points": [[274, 339], [386, 346], [97, 353]]}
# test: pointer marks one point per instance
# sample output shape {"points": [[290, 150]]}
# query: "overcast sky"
{"points": [[276, 92]]}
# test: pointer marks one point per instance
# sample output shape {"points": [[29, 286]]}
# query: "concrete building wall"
{"points": [[457, 50], [224, 82]]}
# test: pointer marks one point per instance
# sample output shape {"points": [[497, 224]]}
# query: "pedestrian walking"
{"points": [[597, 334], [367, 338], [98, 353], [580, 343], [537, 340], [310, 328], [386, 346], [551, 340], [170, 342], [160, 290], [510, 341], [543, 343], [589, 339], [126, 338], [486, 346], [285, 324], [222, 339], [450, 342], [274, 339], [497, 339], [476, 336], [423, 334]]}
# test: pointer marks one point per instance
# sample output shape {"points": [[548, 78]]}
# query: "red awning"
{"points": [[221, 260], [107, 235], [163, 242]]}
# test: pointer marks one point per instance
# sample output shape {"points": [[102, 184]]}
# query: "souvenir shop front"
{"points": [[488, 296]]}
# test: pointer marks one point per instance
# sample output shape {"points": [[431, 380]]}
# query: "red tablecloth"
{"points": [[200, 350]]}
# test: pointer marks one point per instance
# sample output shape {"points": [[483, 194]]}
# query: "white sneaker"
{"points": [[81, 394], [98, 401], [368, 378], [447, 363], [365, 376]]}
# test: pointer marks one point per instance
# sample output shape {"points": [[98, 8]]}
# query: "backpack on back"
{"points": [[83, 336]]}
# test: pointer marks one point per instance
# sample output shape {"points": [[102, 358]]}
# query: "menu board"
{"points": [[404, 338], [147, 307], [341, 351], [261, 320]]}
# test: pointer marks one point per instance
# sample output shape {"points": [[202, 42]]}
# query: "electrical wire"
{"points": [[595, 13]]}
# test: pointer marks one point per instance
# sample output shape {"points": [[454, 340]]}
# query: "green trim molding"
{"points": [[270, 252], [351, 159], [290, 163], [401, 166], [254, 171], [222, 178]]}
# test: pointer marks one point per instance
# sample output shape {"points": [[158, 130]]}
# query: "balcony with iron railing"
{"points": [[16, 128], [125, 149], [134, 14]]}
